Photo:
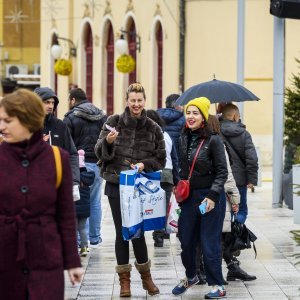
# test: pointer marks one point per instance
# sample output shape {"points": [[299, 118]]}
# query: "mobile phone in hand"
{"points": [[202, 207], [111, 129]]}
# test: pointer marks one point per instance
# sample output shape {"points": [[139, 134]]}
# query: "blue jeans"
{"points": [[81, 229], [94, 221], [193, 226], [243, 208]]}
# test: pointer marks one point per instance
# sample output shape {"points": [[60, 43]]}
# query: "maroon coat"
{"points": [[37, 222]]}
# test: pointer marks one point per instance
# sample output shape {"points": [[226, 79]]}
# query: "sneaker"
{"points": [[95, 245], [183, 285], [83, 251], [218, 292]]}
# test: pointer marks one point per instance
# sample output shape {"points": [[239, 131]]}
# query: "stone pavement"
{"points": [[277, 276]]}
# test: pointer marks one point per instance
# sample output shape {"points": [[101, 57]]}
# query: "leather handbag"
{"points": [[182, 189]]}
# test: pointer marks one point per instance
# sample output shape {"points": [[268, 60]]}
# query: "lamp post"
{"points": [[56, 49], [122, 44]]}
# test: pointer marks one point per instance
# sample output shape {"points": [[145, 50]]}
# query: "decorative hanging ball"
{"points": [[125, 63], [63, 67]]}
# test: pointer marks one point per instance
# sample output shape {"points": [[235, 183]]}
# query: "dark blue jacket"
{"points": [[83, 205], [174, 122], [85, 122]]}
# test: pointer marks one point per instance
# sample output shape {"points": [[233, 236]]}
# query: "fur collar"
{"points": [[133, 122]]}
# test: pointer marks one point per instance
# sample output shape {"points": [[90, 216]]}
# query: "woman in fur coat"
{"points": [[130, 140], [37, 219]]}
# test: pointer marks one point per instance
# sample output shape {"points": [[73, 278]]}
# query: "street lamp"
{"points": [[56, 49], [122, 44]]}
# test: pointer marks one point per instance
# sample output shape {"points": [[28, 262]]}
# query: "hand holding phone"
{"points": [[111, 129], [202, 207]]}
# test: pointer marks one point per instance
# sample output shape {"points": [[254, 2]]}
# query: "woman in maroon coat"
{"points": [[37, 221]]}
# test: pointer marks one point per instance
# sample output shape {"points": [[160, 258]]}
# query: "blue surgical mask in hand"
{"points": [[202, 208]]}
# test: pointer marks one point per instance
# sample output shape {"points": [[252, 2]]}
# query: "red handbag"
{"points": [[182, 189]]}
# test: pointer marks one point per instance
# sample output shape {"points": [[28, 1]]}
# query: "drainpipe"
{"points": [[181, 44], [241, 51], [278, 108]]}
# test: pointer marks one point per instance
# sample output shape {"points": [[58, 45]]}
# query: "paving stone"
{"points": [[277, 276]]}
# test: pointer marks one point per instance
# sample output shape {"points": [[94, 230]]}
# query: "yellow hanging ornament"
{"points": [[125, 63], [63, 67]]}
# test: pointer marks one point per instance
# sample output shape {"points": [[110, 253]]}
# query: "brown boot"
{"points": [[148, 285], [124, 277]]}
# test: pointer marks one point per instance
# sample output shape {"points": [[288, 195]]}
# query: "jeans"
{"points": [[193, 226], [243, 208], [94, 222], [81, 228]]}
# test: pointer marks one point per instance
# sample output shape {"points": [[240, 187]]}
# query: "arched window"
{"points": [[89, 62], [110, 70], [132, 48], [159, 44]]}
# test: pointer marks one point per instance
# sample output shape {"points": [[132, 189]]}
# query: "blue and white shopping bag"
{"points": [[143, 203], [153, 200], [131, 206]]}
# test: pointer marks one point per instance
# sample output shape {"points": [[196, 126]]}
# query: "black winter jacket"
{"points": [[61, 137], [139, 140], [210, 169], [244, 169], [85, 121], [83, 205]]}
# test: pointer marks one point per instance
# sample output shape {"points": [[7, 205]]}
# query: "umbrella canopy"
{"points": [[217, 91]]}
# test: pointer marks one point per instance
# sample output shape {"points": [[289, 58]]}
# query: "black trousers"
{"points": [[168, 188], [121, 246]]}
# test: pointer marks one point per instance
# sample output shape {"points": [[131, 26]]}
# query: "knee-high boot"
{"points": [[148, 285], [124, 278]]}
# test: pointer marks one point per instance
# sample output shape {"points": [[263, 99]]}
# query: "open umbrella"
{"points": [[217, 91]]}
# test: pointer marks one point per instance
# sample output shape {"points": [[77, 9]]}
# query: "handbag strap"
{"points": [[194, 160], [58, 166]]}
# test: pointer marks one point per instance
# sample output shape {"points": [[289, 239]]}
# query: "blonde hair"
{"points": [[135, 88], [27, 107]]}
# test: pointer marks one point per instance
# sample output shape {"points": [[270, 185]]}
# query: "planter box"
{"points": [[296, 198]]}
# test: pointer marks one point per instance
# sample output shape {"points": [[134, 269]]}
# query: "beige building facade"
{"points": [[210, 49]]}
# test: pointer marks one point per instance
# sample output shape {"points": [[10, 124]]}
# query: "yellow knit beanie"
{"points": [[202, 104]]}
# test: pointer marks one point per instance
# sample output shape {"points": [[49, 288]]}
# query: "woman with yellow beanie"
{"points": [[206, 185]]}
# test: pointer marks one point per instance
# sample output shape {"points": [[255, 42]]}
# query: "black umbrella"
{"points": [[217, 91]]}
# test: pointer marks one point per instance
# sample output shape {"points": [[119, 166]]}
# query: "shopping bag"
{"points": [[173, 215], [153, 200], [131, 206]]}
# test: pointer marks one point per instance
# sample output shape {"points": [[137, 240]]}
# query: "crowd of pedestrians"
{"points": [[52, 210]]}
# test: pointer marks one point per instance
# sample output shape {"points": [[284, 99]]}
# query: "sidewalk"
{"points": [[277, 277]]}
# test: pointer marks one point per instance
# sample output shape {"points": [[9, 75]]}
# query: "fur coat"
{"points": [[139, 140]]}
